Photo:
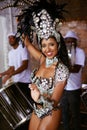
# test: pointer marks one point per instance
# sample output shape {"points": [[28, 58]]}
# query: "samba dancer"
{"points": [[49, 80]]}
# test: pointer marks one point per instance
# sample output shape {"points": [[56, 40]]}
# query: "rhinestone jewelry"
{"points": [[45, 26], [49, 62]]}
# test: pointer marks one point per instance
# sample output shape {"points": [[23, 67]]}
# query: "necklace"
{"points": [[49, 62]]}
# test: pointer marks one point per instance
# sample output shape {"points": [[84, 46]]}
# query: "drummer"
{"points": [[19, 67], [71, 96]]}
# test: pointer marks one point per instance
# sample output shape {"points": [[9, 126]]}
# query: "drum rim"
{"points": [[22, 121], [6, 86]]}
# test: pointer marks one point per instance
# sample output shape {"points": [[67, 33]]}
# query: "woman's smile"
{"points": [[49, 54], [50, 47]]}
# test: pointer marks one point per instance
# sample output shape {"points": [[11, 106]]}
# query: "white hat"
{"points": [[11, 34], [71, 34]]}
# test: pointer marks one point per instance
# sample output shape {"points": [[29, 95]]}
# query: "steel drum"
{"points": [[84, 95], [14, 106]]}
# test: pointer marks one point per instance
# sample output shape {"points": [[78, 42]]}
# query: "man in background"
{"points": [[71, 97], [19, 67]]}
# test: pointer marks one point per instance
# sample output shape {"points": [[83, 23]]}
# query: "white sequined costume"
{"points": [[46, 86]]}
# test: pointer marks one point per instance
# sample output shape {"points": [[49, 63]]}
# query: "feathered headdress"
{"points": [[42, 17]]}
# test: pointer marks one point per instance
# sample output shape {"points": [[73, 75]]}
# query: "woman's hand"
{"points": [[25, 40], [35, 93], [36, 53]]}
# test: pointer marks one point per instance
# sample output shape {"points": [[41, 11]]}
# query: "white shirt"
{"points": [[75, 79], [15, 57]]}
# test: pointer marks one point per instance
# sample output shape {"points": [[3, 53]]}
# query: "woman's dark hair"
{"points": [[62, 53]]}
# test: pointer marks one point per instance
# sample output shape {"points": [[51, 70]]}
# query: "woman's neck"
{"points": [[50, 62]]}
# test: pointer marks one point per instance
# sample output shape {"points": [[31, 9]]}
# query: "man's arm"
{"points": [[7, 74], [75, 69], [11, 71], [23, 67], [8, 71]]}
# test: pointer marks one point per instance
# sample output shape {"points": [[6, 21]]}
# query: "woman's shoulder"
{"points": [[62, 72], [62, 66]]}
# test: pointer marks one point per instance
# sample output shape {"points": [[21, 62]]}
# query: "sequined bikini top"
{"points": [[46, 85]]}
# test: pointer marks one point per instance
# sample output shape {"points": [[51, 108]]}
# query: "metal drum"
{"points": [[14, 106], [84, 95]]}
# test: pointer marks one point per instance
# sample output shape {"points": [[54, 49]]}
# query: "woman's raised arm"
{"points": [[36, 53]]}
